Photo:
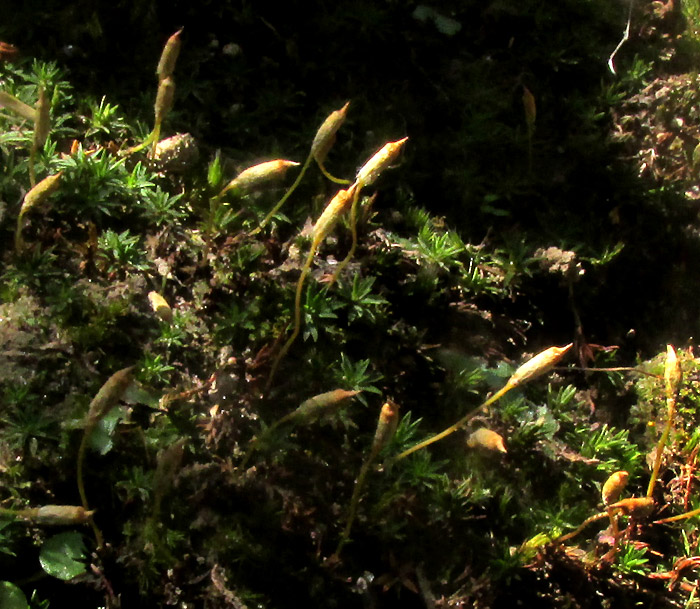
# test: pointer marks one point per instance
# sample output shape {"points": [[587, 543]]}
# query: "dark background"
{"points": [[255, 79]]}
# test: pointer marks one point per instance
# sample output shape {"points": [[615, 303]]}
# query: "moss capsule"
{"points": [[487, 439], [613, 487]]}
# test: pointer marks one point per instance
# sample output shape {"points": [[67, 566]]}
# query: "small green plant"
{"points": [[317, 310], [359, 375], [612, 448], [121, 252], [362, 303], [162, 208], [632, 560], [25, 421], [438, 248], [94, 184], [104, 120], [154, 370]]}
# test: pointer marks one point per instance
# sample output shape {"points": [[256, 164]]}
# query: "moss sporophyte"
{"points": [[386, 428], [341, 202], [534, 367], [308, 412], [76, 300], [165, 94], [323, 226], [320, 147], [107, 398], [36, 196]]}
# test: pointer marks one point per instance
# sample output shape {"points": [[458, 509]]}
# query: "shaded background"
{"points": [[255, 79]]}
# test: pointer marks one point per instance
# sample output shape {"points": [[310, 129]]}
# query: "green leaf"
{"points": [[4, 541], [11, 597], [101, 437], [61, 555], [215, 172], [445, 25]]}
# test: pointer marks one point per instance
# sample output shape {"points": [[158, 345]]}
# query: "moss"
{"points": [[485, 243]]}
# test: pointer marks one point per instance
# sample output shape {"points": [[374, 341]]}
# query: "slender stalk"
{"points": [[353, 228], [616, 369], [659, 454], [323, 226], [354, 502], [532, 368], [672, 379], [99, 540], [331, 177], [297, 320], [147, 142], [286, 196], [583, 525], [386, 428], [679, 517], [452, 428]]}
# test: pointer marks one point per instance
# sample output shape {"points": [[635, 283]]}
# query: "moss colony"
{"points": [[226, 365]]}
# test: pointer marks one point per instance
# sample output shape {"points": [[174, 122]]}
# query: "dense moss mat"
{"points": [[508, 224]]}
